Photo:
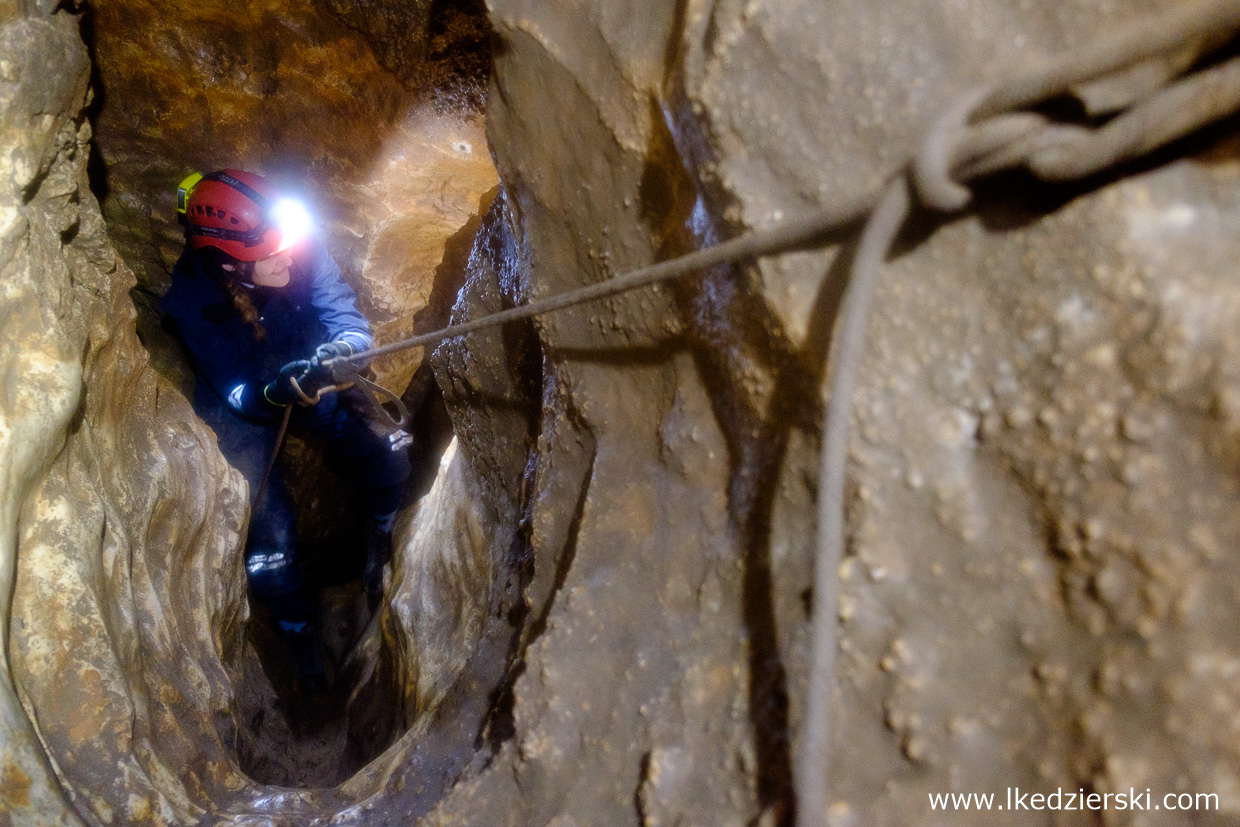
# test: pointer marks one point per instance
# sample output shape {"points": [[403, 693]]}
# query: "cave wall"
{"points": [[122, 592], [121, 577], [331, 102], [284, 88], [1039, 588]]}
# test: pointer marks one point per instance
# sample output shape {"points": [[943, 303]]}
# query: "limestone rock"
{"points": [[1039, 464], [122, 586], [397, 29], [433, 177]]}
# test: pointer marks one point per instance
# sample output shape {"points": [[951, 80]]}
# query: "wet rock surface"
{"points": [[599, 611], [1024, 600]]}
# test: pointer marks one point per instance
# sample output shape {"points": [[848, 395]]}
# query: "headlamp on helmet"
{"points": [[293, 221], [185, 188]]}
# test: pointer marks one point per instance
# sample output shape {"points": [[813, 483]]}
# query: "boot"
{"points": [[378, 552]]}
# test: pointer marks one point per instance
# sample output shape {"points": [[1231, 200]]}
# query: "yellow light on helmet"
{"points": [[185, 189]]}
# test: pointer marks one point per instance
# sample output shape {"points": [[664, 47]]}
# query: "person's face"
{"points": [[273, 270]]}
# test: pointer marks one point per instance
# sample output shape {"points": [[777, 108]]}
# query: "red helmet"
{"points": [[239, 213]]}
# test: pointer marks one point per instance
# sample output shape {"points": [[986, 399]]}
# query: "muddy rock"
{"points": [[1039, 467], [430, 185]]}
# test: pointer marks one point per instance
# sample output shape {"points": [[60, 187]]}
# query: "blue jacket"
{"points": [[315, 307]]}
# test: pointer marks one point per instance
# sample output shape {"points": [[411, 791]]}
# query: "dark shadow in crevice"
{"points": [[96, 169], [757, 442], [735, 335]]}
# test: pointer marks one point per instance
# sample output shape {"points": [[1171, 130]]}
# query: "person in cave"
{"points": [[259, 304]]}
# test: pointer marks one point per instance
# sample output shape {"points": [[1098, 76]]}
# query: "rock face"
{"points": [[123, 593], [123, 589], [428, 188], [1042, 471], [599, 614]]}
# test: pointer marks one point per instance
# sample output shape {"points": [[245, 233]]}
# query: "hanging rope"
{"points": [[271, 462]]}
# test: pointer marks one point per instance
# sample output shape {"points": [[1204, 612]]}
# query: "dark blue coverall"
{"points": [[233, 366]]}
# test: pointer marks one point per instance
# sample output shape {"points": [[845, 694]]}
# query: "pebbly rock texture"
{"points": [[440, 49], [1037, 592]]}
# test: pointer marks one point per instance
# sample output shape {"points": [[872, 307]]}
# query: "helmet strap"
{"points": [[240, 186]]}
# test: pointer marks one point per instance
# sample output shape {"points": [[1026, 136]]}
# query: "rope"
{"points": [[880, 231], [271, 463], [787, 236], [1003, 140]]}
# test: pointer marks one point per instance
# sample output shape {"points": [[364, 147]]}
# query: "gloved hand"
{"points": [[332, 350], [282, 390], [315, 379], [299, 381]]}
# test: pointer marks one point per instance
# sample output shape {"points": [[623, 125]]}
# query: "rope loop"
{"points": [[984, 129], [347, 375]]}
